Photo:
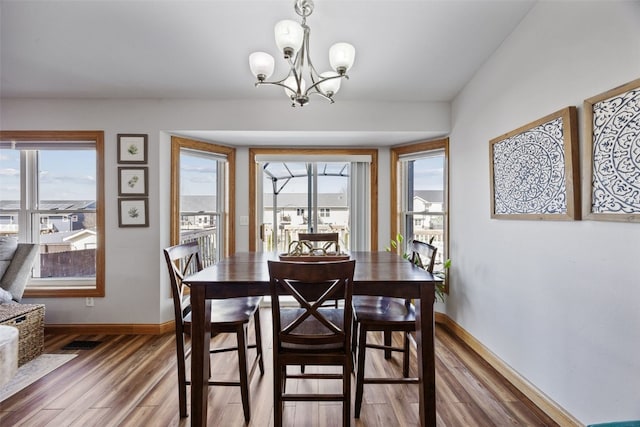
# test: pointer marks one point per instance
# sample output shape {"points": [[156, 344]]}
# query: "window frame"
{"points": [[227, 223], [56, 287], [397, 214]]}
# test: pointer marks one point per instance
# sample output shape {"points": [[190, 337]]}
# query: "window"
{"points": [[200, 198], [420, 173], [340, 181], [61, 209]]}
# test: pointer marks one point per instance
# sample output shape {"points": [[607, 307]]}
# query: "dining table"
{"points": [[376, 273]]}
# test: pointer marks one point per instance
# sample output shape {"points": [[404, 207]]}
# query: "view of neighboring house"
{"points": [[67, 239]]}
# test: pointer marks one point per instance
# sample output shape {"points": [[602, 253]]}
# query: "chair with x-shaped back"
{"points": [[227, 316], [311, 334], [372, 313]]}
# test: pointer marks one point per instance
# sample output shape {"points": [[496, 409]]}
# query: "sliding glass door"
{"points": [[294, 190], [304, 197]]}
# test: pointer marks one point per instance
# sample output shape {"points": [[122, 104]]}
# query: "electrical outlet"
{"points": [[89, 301]]}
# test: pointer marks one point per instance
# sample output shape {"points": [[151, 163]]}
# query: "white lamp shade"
{"points": [[261, 63], [289, 34], [330, 86], [291, 82], [342, 55]]}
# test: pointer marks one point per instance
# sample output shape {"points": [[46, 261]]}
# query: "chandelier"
{"points": [[292, 40]]}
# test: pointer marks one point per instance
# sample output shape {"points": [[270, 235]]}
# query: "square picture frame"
{"points": [[612, 154], [133, 212], [132, 148], [534, 170], [132, 181]]}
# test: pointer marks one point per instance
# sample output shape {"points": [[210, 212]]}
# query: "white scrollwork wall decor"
{"points": [[612, 128], [535, 171]]}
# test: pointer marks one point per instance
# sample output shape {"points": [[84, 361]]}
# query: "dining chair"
{"points": [[386, 314], [227, 316], [311, 334], [323, 241]]}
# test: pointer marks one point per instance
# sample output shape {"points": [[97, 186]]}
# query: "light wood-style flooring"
{"points": [[131, 380]]}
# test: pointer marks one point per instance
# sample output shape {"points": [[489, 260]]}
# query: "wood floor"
{"points": [[131, 380]]}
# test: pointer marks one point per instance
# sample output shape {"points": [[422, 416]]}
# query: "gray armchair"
{"points": [[18, 270]]}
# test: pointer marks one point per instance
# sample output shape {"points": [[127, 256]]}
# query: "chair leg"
{"points": [[277, 393], [242, 364], [405, 356], [346, 390], [182, 379], [387, 343], [258, 333], [362, 348]]}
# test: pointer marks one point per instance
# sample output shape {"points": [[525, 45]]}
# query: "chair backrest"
{"points": [[328, 239], [182, 259], [312, 284], [423, 255]]}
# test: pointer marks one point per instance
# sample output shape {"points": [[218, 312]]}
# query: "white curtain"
{"points": [[360, 212]]}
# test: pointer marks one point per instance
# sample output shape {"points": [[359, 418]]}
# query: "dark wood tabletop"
{"points": [[376, 273]]}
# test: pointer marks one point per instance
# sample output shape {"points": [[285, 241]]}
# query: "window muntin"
{"points": [[58, 207]]}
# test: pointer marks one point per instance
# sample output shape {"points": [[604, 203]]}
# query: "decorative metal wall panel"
{"points": [[612, 121], [534, 170]]}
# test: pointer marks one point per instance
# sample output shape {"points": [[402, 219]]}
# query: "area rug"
{"points": [[32, 371]]}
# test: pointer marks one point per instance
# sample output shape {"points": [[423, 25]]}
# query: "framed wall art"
{"points": [[132, 181], [133, 212], [612, 154], [534, 170], [132, 148]]}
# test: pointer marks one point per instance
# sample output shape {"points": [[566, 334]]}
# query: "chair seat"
{"points": [[311, 326], [383, 311], [231, 311]]}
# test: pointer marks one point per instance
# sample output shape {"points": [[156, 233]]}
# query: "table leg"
{"points": [[426, 354], [200, 339]]}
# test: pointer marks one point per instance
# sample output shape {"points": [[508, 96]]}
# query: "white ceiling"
{"points": [[406, 51]]}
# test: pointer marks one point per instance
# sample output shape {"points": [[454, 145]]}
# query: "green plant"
{"points": [[440, 287], [395, 243]]}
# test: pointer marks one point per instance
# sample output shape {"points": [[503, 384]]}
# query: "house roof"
{"points": [[430, 196]]}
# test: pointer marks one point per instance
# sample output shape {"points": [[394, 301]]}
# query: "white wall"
{"points": [[137, 285], [557, 301]]}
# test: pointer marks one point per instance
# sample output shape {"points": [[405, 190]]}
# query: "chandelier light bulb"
{"points": [[262, 65], [332, 86], [289, 36], [341, 57], [291, 82]]}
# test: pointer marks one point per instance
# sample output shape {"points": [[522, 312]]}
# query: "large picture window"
{"points": [[57, 207]]}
